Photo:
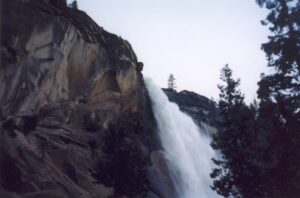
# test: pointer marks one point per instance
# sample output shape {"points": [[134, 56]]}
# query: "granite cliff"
{"points": [[64, 84], [70, 94]]}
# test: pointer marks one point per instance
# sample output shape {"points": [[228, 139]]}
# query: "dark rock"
{"points": [[10, 174], [9, 125], [140, 66], [70, 171], [29, 123], [203, 110], [58, 3]]}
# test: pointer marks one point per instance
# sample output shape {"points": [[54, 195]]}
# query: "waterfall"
{"points": [[185, 146]]}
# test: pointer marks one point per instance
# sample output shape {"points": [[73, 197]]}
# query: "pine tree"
{"points": [[124, 167], [171, 82], [235, 174], [74, 5], [279, 94]]}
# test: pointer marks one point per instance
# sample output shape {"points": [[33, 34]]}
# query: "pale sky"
{"points": [[192, 39]]}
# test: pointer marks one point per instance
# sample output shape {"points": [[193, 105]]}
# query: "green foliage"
{"points": [[124, 168], [235, 173], [279, 93], [260, 144], [230, 94]]}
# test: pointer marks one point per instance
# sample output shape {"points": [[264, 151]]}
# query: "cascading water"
{"points": [[186, 148]]}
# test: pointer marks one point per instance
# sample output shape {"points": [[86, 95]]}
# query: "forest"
{"points": [[259, 143]]}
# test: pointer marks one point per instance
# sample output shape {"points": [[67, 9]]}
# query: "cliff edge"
{"points": [[70, 94], [75, 115], [203, 110]]}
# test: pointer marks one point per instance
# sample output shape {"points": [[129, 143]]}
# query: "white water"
{"points": [[186, 148]]}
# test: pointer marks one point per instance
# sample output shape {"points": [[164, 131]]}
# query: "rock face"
{"points": [[203, 110], [65, 83], [70, 94]]}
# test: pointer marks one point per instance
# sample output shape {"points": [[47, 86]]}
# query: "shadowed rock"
{"points": [[63, 81], [203, 111]]}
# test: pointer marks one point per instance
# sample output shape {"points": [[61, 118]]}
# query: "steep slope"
{"points": [[65, 86]]}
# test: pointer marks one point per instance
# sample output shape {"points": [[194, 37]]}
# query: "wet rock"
{"points": [[203, 110]]}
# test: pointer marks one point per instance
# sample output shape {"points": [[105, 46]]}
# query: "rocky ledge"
{"points": [[203, 110]]}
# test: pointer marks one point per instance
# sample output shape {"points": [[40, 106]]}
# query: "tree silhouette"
{"points": [[74, 5], [279, 93], [235, 174], [260, 144], [124, 167], [171, 82]]}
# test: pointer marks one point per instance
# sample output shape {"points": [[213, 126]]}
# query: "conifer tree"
{"points": [[74, 5], [171, 82], [260, 144], [235, 172], [279, 94], [124, 167]]}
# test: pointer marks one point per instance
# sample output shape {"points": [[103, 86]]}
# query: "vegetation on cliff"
{"points": [[124, 167]]}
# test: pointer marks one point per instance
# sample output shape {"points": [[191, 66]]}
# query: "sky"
{"points": [[192, 39]]}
